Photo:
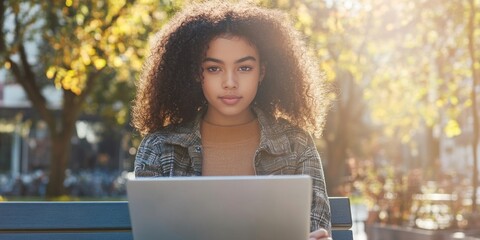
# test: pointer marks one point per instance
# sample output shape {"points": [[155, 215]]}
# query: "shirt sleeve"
{"points": [[147, 162], [310, 164]]}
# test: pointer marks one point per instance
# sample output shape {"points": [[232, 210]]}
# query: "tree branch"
{"points": [[89, 85], [72, 104], [26, 78]]}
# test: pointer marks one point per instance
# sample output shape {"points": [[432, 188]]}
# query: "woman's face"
{"points": [[231, 74]]}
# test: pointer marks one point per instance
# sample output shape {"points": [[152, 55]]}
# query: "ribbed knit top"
{"points": [[229, 150]]}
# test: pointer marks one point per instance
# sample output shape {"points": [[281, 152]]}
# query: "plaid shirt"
{"points": [[283, 150]]}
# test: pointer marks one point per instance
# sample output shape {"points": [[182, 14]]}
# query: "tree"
{"points": [[472, 34], [426, 65], [408, 61], [79, 43], [339, 58]]}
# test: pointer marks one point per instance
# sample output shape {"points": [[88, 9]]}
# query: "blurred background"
{"points": [[401, 138]]}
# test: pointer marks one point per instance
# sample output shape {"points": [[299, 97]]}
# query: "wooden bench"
{"points": [[104, 220]]}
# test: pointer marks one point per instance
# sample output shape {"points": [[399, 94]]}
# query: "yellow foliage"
{"points": [[84, 10], [146, 19], [121, 47], [332, 96], [389, 131], [112, 39], [304, 17], [453, 100], [99, 63], [80, 19], [283, 3], [123, 74], [368, 94], [476, 65], [432, 36], [327, 67], [430, 116], [51, 72], [406, 138], [122, 116], [452, 129], [440, 102], [67, 79], [136, 64], [117, 61], [7, 65], [95, 24], [468, 103]]}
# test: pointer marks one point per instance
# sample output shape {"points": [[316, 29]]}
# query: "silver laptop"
{"points": [[210, 208]]}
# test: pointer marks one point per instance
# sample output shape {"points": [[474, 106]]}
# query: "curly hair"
{"points": [[169, 89]]}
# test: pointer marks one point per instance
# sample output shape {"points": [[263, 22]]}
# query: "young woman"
{"points": [[231, 80]]}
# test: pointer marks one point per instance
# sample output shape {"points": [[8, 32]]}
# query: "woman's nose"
{"points": [[230, 80]]}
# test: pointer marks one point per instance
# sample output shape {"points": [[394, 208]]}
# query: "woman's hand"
{"points": [[320, 234]]}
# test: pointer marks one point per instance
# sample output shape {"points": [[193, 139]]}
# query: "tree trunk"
{"points": [[61, 148], [335, 170], [433, 155], [61, 144], [343, 131], [58, 163], [336, 131], [475, 79]]}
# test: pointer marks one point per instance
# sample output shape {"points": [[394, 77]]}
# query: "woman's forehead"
{"points": [[231, 48]]}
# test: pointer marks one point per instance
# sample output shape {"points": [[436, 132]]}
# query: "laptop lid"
{"points": [[234, 207]]}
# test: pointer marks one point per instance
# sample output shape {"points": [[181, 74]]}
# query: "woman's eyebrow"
{"points": [[246, 59], [210, 59]]}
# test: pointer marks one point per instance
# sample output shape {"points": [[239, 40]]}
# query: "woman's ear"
{"points": [[199, 78], [262, 73]]}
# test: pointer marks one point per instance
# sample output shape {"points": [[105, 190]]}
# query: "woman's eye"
{"points": [[245, 68], [213, 69]]}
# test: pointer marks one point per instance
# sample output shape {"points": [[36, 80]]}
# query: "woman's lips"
{"points": [[230, 100]]}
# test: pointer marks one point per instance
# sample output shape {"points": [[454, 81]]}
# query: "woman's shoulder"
{"points": [[292, 131], [281, 132], [277, 127], [170, 133]]}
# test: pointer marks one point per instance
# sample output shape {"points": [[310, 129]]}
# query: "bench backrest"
{"points": [[104, 220]]}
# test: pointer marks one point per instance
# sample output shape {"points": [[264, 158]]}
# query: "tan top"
{"points": [[229, 150]]}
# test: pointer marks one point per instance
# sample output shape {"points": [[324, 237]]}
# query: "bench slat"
{"points": [[341, 214], [342, 235], [67, 235], [64, 215], [105, 220]]}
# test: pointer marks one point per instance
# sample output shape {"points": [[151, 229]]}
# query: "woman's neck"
{"points": [[214, 118], [214, 134]]}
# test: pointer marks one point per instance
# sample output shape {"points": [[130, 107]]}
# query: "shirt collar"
{"points": [[272, 133]]}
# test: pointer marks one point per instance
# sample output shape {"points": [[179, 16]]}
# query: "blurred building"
{"points": [[24, 138]]}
